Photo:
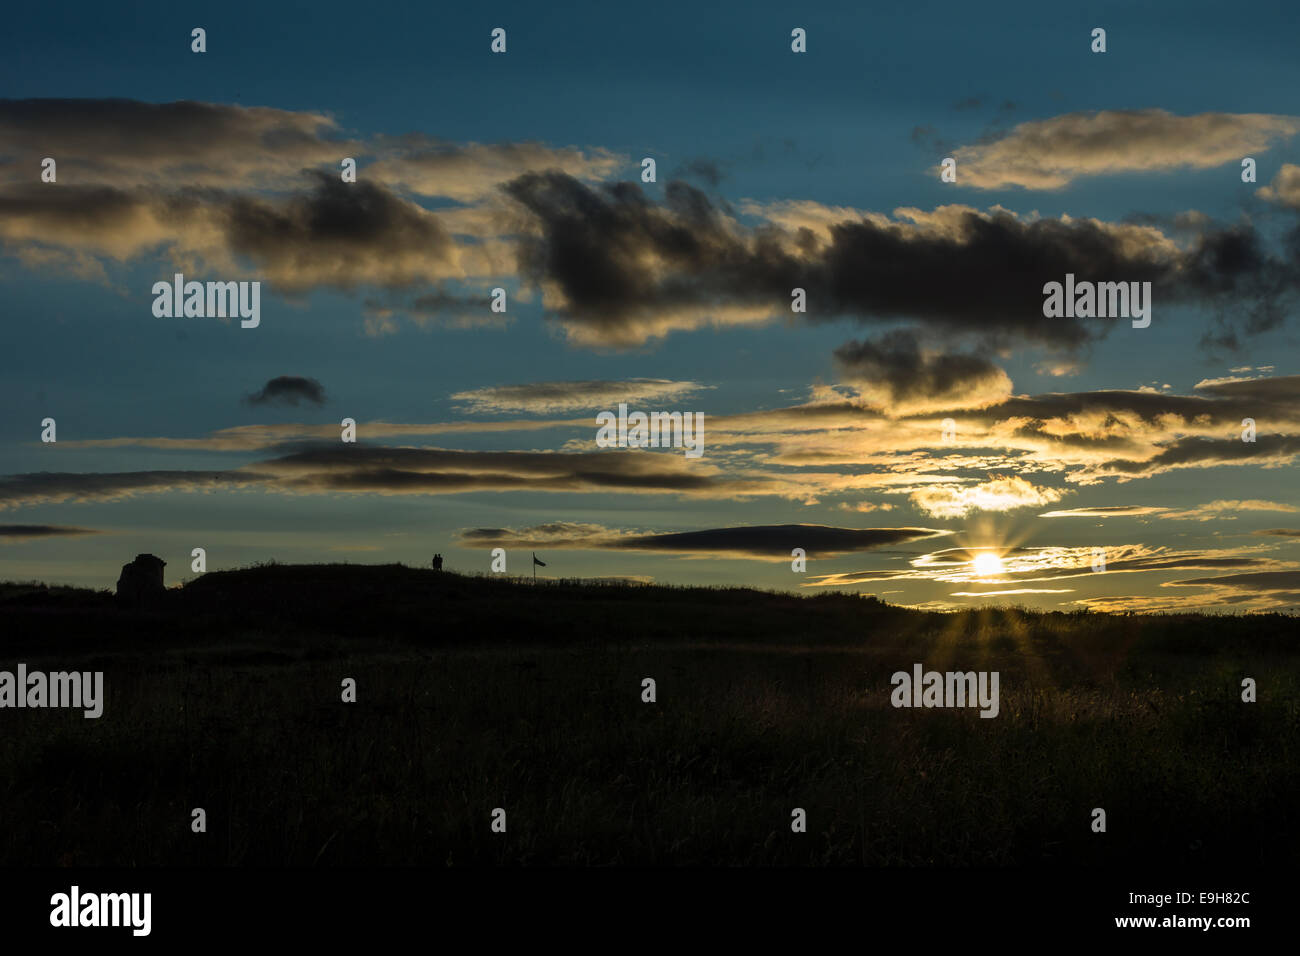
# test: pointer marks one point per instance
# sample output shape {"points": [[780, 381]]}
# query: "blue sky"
{"points": [[853, 128]]}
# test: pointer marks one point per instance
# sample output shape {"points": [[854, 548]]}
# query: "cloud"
{"points": [[1252, 581], [470, 171], [1055, 152], [288, 390], [55, 487], [1279, 532], [359, 468], [999, 494], [1030, 565], [865, 507], [1227, 509], [441, 309], [128, 143], [336, 235], [1221, 509], [617, 268], [895, 372], [1262, 590], [705, 170], [871, 268], [261, 437], [341, 235], [338, 468], [1010, 591], [257, 192], [614, 267], [1285, 188], [1282, 388], [1108, 511], [538, 397], [1198, 452], [759, 541], [848, 578], [621, 270], [832, 446], [31, 532]]}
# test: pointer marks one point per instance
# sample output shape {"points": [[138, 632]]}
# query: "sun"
{"points": [[987, 564]]}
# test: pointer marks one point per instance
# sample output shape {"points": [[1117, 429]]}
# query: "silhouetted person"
{"points": [[437, 562]]}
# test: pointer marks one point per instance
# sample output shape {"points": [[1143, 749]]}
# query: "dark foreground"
{"points": [[475, 694]]}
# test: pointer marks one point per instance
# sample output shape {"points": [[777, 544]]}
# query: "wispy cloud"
{"points": [[538, 397], [1106, 511], [1055, 152], [775, 542], [1227, 510], [32, 532]]}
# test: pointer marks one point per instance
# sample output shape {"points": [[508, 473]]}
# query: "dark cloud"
{"points": [[321, 469], [1270, 392], [52, 487], [622, 262], [758, 541], [340, 234], [288, 390], [778, 540], [127, 142], [624, 265], [1224, 404], [339, 467], [1254, 581], [1198, 452], [23, 532], [895, 367], [1280, 532], [878, 271], [616, 267], [705, 170]]}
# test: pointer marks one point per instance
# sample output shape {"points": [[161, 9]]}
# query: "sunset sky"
{"points": [[775, 170]]}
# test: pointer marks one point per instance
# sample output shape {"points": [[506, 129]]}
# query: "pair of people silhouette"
{"points": [[437, 562]]}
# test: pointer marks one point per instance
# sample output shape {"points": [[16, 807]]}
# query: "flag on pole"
{"points": [[540, 564]]}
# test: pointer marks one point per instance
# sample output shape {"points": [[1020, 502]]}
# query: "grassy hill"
{"points": [[475, 693]]}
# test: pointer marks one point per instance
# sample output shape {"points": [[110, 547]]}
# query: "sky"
{"points": [[923, 430]]}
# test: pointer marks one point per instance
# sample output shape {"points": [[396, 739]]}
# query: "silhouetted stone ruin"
{"points": [[141, 580]]}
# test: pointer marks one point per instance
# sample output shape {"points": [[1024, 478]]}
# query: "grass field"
{"points": [[475, 693]]}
